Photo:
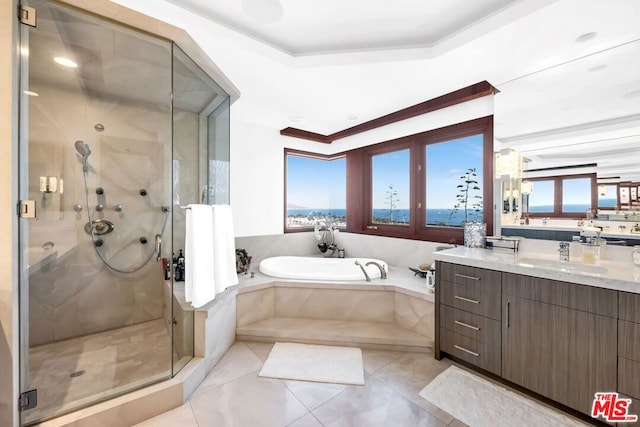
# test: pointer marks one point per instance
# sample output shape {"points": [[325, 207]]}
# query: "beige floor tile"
{"points": [[307, 421], [375, 360], [374, 404], [409, 374], [181, 416], [248, 401], [236, 363], [314, 394], [260, 349]]}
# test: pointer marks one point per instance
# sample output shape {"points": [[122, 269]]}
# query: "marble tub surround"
{"points": [[614, 270], [367, 315], [401, 253]]}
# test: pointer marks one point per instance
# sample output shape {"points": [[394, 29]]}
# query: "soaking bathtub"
{"points": [[316, 268]]}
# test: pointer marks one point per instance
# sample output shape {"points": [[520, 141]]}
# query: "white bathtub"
{"points": [[312, 268]]}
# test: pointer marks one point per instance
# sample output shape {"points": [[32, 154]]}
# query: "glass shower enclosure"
{"points": [[114, 138]]}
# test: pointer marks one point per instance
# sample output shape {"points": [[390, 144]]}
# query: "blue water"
{"points": [[400, 216]]}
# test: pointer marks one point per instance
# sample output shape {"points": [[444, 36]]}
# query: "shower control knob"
{"points": [[99, 190], [119, 208], [77, 208], [100, 207], [143, 192]]}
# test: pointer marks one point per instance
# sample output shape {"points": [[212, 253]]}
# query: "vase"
{"points": [[475, 234]]}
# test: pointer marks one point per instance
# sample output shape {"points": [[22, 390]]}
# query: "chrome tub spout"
{"points": [[383, 273], [359, 264]]}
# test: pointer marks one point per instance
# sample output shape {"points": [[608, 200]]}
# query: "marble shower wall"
{"points": [[72, 293]]}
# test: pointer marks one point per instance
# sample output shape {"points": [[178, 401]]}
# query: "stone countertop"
{"points": [[616, 275], [605, 233]]}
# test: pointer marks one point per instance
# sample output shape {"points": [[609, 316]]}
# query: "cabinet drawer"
{"points": [[482, 355], [570, 295], [629, 306], [471, 325], [629, 377], [477, 297], [629, 341], [456, 273]]}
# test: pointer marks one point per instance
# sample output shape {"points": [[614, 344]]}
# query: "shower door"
{"points": [[96, 159]]}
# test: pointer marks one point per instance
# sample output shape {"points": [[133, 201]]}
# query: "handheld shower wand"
{"points": [[84, 150]]}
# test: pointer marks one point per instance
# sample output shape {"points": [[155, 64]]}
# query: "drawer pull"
{"points": [[475, 328], [464, 276], [473, 353], [466, 299]]}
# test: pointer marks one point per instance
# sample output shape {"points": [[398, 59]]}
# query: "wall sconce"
{"points": [[508, 162], [526, 187], [48, 184]]}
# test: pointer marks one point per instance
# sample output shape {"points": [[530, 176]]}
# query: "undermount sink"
{"points": [[574, 267]]}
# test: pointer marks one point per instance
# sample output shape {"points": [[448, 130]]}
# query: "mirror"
{"points": [[580, 112]]}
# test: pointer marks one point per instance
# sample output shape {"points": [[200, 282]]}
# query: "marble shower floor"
{"points": [[113, 362]]}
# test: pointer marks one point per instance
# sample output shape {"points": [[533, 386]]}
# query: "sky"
{"points": [[318, 184]]}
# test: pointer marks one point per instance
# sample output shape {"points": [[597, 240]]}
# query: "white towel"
{"points": [[199, 278], [224, 248]]}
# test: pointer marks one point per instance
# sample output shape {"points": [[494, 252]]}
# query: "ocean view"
{"points": [[434, 216]]}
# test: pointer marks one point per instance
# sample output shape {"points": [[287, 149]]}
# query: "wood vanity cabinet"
{"points": [[469, 315], [559, 339], [629, 347]]}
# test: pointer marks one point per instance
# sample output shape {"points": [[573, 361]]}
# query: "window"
{"points": [[423, 186], [453, 175], [607, 196], [541, 199], [567, 196], [390, 188], [315, 190]]}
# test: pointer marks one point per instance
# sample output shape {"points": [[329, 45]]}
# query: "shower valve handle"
{"points": [[158, 247]]}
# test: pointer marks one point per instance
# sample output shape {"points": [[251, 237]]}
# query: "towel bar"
{"points": [[185, 207]]}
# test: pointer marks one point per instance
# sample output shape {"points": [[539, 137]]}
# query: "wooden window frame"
{"points": [[359, 203], [557, 196], [301, 153]]}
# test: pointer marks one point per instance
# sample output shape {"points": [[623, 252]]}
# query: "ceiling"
{"points": [[304, 27], [568, 71]]}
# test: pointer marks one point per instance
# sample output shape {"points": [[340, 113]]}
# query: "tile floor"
{"points": [[234, 395], [108, 364]]}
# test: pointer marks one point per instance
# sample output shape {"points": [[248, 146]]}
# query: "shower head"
{"points": [[84, 150]]}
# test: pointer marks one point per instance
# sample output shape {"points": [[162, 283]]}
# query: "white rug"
{"points": [[320, 363], [478, 402]]}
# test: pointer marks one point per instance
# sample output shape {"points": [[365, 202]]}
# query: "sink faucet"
{"points": [[359, 264], [383, 273], [564, 251]]}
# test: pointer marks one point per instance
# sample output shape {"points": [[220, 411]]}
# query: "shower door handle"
{"points": [[158, 247]]}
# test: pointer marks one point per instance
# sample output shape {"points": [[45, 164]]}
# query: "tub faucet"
{"points": [[383, 273], [359, 264], [564, 251]]}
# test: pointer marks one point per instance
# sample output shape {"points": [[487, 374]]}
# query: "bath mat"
{"points": [[478, 402], [319, 363]]}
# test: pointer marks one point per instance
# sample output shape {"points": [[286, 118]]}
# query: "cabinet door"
{"points": [[564, 354]]}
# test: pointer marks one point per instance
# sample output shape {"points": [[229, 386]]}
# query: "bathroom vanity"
{"points": [[561, 330]]}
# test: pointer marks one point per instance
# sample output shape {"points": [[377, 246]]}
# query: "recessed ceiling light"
{"points": [[65, 62], [586, 37], [30, 93], [353, 117], [598, 68], [296, 119]]}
